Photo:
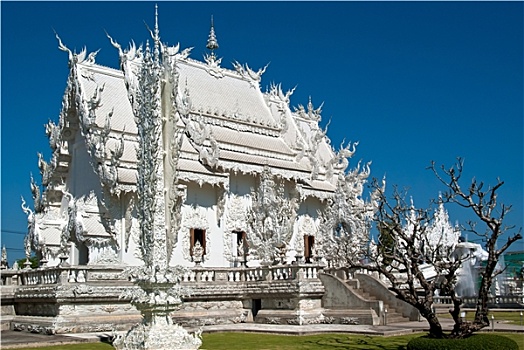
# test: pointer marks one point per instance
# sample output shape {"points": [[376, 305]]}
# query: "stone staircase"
{"points": [[391, 316], [364, 291], [342, 304]]}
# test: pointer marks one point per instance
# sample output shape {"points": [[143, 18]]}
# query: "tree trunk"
{"points": [[435, 328]]}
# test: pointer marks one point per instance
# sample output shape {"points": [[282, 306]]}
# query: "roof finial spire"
{"points": [[212, 43], [156, 35], [156, 21]]}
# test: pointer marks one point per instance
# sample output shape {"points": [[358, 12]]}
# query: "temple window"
{"points": [[309, 242], [241, 237], [241, 243], [198, 235]]}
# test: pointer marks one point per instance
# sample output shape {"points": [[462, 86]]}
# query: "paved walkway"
{"points": [[13, 339]]}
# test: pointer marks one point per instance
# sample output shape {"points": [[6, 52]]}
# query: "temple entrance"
{"points": [[309, 242], [256, 305]]}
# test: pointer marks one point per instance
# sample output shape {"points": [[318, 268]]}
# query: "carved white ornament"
{"points": [[202, 139], [237, 213], [33, 239], [248, 74], [345, 221], [307, 226], [236, 220], [194, 217], [271, 218], [153, 86], [213, 66]]}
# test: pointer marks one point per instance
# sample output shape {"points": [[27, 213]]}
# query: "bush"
{"points": [[35, 262], [474, 342]]}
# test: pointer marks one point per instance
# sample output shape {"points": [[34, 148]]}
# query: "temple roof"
{"points": [[226, 95], [249, 128]]}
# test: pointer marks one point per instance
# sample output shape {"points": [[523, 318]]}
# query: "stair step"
{"points": [[397, 319], [392, 317]]}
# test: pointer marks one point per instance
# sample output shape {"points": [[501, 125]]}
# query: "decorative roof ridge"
{"points": [[238, 124], [252, 168], [203, 65], [232, 147], [101, 68], [207, 171], [249, 75], [239, 71], [309, 114]]}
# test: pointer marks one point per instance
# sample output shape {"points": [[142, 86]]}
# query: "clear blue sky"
{"points": [[412, 81]]}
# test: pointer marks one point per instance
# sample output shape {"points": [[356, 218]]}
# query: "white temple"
{"points": [[247, 163], [234, 184]]}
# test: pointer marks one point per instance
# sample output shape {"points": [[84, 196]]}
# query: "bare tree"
{"points": [[413, 268], [484, 204], [416, 265]]}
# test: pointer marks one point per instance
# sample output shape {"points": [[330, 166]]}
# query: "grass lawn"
{"points": [[261, 341], [509, 317], [252, 341]]}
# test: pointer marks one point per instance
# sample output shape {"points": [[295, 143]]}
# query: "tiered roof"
{"points": [[249, 128]]}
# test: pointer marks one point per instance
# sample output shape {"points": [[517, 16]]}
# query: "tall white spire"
{"points": [[156, 36], [212, 42]]}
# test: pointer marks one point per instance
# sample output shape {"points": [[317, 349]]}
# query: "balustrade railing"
{"points": [[9, 277], [61, 275], [199, 274], [251, 274], [45, 276], [498, 299], [444, 300]]}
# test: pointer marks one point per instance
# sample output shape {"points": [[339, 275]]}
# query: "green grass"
{"points": [[252, 341], [509, 317], [261, 341]]}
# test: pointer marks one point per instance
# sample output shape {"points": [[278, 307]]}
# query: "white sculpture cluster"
{"points": [[33, 240], [3, 262], [437, 238], [346, 220], [271, 218], [159, 291], [441, 238]]}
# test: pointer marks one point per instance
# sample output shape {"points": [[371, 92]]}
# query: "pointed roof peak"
{"points": [[156, 21], [156, 36], [212, 42]]}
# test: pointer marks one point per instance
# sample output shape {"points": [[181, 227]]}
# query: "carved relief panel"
{"points": [[306, 241], [236, 222]]}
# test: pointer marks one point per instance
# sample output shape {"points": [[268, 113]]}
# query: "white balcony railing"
{"points": [[199, 274]]}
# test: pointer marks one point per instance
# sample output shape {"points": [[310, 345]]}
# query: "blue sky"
{"points": [[412, 81]]}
